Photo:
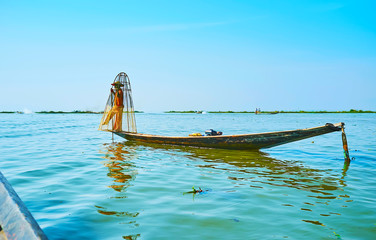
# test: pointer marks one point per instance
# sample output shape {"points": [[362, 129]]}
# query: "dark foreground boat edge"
{"points": [[16, 222]]}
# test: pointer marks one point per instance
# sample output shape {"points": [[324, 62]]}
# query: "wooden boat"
{"points": [[242, 141]]}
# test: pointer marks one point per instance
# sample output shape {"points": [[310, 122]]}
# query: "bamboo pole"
{"points": [[345, 148]]}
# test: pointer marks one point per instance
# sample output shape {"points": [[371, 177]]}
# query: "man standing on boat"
{"points": [[117, 108]]}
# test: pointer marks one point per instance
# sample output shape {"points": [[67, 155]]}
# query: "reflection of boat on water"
{"points": [[242, 141], [269, 171]]}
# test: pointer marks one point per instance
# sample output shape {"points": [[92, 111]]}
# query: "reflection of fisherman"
{"points": [[117, 108]]}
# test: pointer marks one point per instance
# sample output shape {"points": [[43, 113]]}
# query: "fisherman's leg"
{"points": [[108, 117], [118, 120]]}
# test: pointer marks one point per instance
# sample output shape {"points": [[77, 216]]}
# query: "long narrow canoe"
{"points": [[243, 141]]}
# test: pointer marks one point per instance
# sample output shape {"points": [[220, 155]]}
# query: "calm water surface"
{"points": [[79, 184]]}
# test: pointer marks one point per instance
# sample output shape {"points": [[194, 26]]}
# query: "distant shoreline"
{"points": [[197, 112], [275, 112], [62, 112]]}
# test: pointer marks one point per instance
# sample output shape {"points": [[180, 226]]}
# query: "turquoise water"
{"points": [[78, 184]]}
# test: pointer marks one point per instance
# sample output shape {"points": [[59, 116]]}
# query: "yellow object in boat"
{"points": [[195, 134]]}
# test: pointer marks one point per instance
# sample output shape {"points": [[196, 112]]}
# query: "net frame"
{"points": [[128, 113]]}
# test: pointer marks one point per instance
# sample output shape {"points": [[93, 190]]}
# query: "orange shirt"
{"points": [[118, 101]]}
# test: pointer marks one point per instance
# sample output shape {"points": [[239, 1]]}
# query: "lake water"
{"points": [[78, 184]]}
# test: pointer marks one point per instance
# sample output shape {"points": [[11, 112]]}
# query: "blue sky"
{"points": [[189, 55]]}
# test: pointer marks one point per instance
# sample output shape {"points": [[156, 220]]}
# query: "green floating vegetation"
{"points": [[337, 235], [7, 112], [194, 190]]}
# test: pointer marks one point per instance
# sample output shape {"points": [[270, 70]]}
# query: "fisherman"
{"points": [[117, 108]]}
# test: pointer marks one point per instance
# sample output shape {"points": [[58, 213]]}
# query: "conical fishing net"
{"points": [[118, 113]]}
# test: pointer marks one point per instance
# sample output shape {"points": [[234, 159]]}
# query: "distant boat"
{"points": [[258, 112], [242, 141]]}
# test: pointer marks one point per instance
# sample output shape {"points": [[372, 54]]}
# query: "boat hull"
{"points": [[243, 141], [16, 222]]}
